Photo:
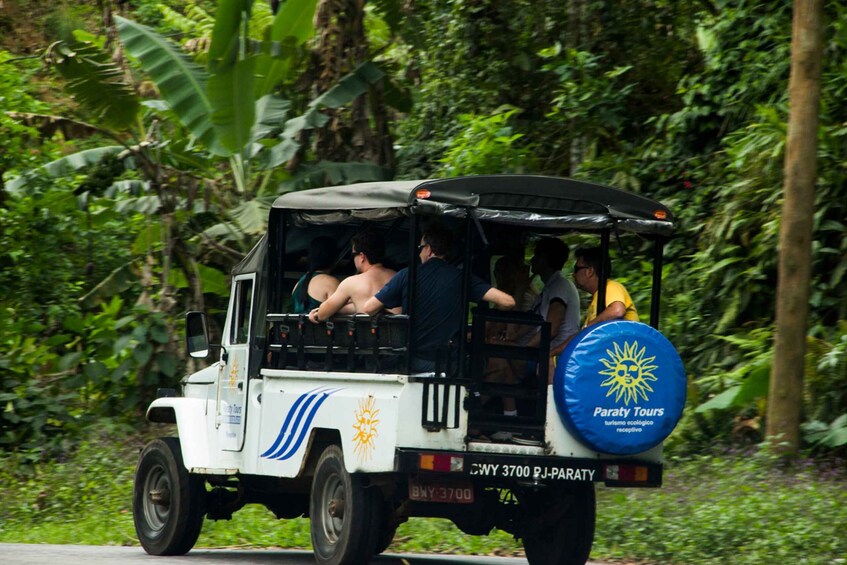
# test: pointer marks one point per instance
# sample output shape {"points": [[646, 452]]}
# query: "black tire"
{"points": [[168, 503], [346, 516], [559, 527], [386, 536]]}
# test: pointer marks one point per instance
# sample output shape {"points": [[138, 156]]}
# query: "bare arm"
{"points": [[499, 298], [335, 302], [555, 315], [614, 311], [372, 306]]}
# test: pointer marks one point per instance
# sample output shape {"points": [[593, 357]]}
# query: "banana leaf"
{"points": [[223, 51], [97, 83], [293, 25], [181, 82], [230, 92], [65, 165]]}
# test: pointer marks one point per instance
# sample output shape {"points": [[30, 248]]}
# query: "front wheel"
{"points": [[558, 526], [168, 502], [346, 516]]}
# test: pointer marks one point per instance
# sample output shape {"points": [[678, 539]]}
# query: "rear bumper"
{"points": [[504, 470]]}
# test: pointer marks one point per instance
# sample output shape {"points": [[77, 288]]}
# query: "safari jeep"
{"points": [[327, 420]]}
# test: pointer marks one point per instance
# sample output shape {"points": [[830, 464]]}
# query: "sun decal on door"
{"points": [[233, 373], [628, 370], [366, 417]]}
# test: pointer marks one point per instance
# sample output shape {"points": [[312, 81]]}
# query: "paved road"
{"points": [[35, 554]]}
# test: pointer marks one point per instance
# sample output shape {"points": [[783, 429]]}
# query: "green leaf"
{"points": [[116, 282], [69, 360], [143, 205], [755, 385], [350, 86], [159, 334], [74, 324], [95, 370], [247, 218], [294, 23], [328, 173], [181, 82], [66, 165], [398, 97], [233, 108], [277, 155], [148, 238], [142, 353], [97, 83], [224, 48], [348, 89], [167, 363], [722, 401], [120, 344], [271, 112], [213, 281]]}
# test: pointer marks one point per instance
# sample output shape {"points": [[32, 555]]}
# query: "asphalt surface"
{"points": [[41, 554]]}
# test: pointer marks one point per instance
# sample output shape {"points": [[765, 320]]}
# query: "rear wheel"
{"points": [[168, 502], [558, 527], [346, 516]]}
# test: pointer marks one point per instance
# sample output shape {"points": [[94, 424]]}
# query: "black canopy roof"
{"points": [[528, 200]]}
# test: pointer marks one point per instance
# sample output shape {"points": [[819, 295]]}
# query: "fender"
{"points": [[189, 415]]}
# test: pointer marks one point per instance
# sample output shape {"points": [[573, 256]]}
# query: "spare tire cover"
{"points": [[620, 387]]}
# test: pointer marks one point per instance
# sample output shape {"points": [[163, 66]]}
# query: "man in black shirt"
{"points": [[437, 310]]}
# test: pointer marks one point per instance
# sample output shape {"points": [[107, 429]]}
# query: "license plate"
{"points": [[436, 491]]}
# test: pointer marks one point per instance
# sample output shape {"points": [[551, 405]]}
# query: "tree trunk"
{"points": [[577, 34], [360, 132], [795, 237]]}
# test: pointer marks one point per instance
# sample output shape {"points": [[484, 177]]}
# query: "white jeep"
{"points": [[327, 421]]}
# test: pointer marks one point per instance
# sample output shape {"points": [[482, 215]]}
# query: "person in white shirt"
{"points": [[558, 304]]}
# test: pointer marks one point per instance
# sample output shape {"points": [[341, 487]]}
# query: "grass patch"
{"points": [[742, 509]]}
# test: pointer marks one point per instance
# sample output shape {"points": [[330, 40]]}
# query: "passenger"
{"points": [[437, 314], [557, 304], [353, 292], [512, 277], [317, 284], [586, 274]]}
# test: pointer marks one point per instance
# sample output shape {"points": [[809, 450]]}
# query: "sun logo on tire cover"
{"points": [[628, 371], [366, 428]]}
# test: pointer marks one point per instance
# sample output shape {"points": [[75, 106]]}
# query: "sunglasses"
{"points": [[421, 246]]}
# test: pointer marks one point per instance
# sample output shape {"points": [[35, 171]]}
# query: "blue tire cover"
{"points": [[620, 387]]}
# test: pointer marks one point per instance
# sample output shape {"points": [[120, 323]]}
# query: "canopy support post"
{"points": [[603, 275], [656, 291]]}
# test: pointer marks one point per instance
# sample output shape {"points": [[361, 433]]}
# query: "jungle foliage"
{"points": [[141, 145]]}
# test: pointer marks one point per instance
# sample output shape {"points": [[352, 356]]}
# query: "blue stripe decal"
{"points": [[293, 430], [287, 421], [296, 433], [306, 427]]}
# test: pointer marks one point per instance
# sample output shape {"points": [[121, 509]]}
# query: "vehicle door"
{"points": [[232, 384]]}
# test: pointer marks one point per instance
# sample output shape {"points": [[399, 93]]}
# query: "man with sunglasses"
{"points": [[438, 299], [586, 275], [353, 292]]}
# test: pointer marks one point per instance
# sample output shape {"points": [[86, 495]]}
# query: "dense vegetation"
{"points": [[127, 193]]}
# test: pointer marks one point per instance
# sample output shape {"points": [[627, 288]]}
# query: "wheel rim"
{"points": [[156, 499], [332, 508]]}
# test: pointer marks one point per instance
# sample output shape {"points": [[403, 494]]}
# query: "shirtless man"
{"points": [[352, 293]]}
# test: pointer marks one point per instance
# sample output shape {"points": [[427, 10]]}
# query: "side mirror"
{"points": [[197, 335]]}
